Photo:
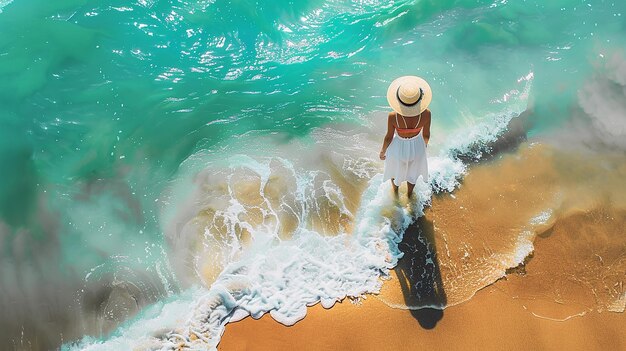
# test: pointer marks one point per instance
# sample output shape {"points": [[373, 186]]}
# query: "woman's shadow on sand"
{"points": [[418, 271], [419, 274]]}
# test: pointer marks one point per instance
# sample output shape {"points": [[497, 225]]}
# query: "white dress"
{"points": [[406, 158]]}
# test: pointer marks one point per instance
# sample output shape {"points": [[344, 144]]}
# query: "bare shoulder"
{"points": [[426, 114], [390, 117]]}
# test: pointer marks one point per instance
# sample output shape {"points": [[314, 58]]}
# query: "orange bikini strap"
{"points": [[406, 125]]}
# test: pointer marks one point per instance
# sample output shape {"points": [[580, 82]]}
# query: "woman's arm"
{"points": [[426, 133], [388, 136]]}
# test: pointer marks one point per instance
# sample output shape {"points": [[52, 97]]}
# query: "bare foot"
{"points": [[409, 189]]}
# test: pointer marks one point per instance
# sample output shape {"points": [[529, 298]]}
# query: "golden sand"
{"points": [[568, 295], [492, 320]]}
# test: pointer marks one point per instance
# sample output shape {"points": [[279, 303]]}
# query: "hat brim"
{"points": [[403, 109]]}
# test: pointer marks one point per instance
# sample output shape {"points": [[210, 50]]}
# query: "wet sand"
{"points": [[492, 320], [568, 294]]}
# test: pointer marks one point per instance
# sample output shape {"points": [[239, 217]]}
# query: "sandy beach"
{"points": [[566, 296], [492, 320]]}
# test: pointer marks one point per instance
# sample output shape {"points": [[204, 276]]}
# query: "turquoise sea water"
{"points": [[109, 110]]}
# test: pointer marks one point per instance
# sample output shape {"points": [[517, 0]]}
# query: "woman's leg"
{"points": [[409, 187], [395, 187]]}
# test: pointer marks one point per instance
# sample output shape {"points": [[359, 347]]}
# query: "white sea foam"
{"points": [[283, 279], [618, 305], [4, 3], [143, 333], [441, 170]]}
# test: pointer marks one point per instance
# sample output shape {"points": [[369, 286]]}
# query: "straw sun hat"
{"points": [[409, 95]]}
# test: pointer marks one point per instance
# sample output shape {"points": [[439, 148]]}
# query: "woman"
{"points": [[405, 153]]}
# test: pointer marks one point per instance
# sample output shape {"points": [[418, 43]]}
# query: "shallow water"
{"points": [[148, 145]]}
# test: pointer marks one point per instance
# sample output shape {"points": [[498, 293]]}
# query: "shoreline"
{"points": [[572, 228]]}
